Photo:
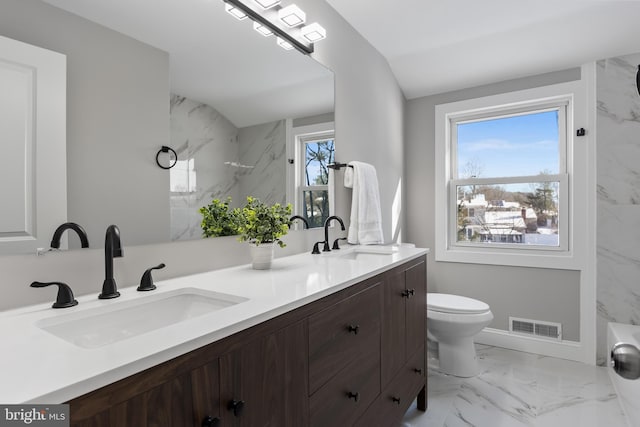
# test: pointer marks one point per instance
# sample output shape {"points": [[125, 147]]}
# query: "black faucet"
{"points": [[55, 240], [112, 249], [304, 221], [326, 231]]}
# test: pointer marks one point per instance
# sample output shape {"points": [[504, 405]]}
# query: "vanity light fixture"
{"points": [[267, 4], [313, 32], [285, 22], [283, 43], [292, 15], [265, 31], [235, 12]]}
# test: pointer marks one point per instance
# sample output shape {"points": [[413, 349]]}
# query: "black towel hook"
{"points": [[169, 150], [338, 166]]}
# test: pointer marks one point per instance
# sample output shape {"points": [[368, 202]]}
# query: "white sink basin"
{"points": [[94, 328]]}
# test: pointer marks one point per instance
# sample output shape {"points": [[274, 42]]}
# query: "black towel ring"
{"points": [[166, 149]]}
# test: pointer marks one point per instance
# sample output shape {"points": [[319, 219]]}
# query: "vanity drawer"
{"points": [[341, 333], [347, 395], [396, 398]]}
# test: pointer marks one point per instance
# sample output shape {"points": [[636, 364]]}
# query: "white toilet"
{"points": [[454, 321]]}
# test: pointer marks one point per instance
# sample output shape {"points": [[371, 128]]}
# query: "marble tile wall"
{"points": [[264, 148], [618, 186], [201, 133], [228, 161]]}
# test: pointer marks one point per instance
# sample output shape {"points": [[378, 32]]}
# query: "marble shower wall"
{"points": [[264, 148], [201, 133], [227, 161], [618, 181]]}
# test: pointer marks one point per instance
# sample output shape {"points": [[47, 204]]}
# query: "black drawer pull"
{"points": [[418, 371], [408, 293], [354, 396], [236, 406], [395, 400], [210, 421], [354, 328]]}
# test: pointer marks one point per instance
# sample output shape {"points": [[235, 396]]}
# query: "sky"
{"points": [[513, 146]]}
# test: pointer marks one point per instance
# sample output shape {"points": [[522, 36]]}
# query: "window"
{"points": [[504, 169], [314, 151], [508, 175], [318, 152], [182, 177]]}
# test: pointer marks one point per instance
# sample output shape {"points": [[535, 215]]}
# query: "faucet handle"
{"points": [[64, 298], [335, 243], [146, 282], [316, 248]]}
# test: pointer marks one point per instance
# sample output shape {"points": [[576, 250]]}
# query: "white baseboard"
{"points": [[570, 350]]}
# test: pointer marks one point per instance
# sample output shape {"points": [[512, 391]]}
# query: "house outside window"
{"points": [[509, 179], [509, 176]]}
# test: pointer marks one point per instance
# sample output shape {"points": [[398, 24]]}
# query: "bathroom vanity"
{"points": [[320, 340]]}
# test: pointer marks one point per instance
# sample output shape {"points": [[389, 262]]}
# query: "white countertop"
{"points": [[39, 367]]}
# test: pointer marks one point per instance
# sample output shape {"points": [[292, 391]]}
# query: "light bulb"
{"points": [[267, 4], [313, 32], [284, 44], [292, 15], [262, 29], [235, 12]]}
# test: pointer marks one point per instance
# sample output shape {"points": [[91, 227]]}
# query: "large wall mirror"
{"points": [[179, 73]]}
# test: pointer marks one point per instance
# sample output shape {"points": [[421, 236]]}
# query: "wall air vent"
{"points": [[535, 328]]}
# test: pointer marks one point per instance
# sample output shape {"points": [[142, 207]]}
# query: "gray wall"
{"points": [[117, 119], [618, 180], [369, 127], [540, 294], [369, 113]]}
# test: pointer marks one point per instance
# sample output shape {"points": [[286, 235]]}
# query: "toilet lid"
{"points": [[446, 303]]}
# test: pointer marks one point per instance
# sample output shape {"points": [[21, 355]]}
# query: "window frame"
{"points": [[561, 105], [298, 136], [572, 177]]}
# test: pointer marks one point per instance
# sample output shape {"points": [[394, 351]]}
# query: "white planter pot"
{"points": [[261, 255]]}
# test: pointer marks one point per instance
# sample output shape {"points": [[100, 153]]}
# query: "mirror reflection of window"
{"points": [[317, 152], [182, 177]]}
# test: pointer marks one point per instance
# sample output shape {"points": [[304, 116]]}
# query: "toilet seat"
{"points": [[455, 304]]}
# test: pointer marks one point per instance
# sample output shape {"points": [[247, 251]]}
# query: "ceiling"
{"points": [[218, 60], [431, 46], [439, 46]]}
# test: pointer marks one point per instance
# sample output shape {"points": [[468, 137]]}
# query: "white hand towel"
{"points": [[365, 227], [348, 177]]}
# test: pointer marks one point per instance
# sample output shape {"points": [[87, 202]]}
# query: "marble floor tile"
{"points": [[516, 389]]}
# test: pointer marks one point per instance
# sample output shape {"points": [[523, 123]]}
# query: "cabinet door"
{"points": [[168, 404], [265, 382], [393, 324], [341, 333], [416, 308], [205, 386]]}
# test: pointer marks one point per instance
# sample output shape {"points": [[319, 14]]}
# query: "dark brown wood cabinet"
{"points": [[264, 383], [403, 363], [205, 395], [356, 357]]}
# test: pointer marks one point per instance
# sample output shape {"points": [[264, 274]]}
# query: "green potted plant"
{"points": [[218, 219], [263, 226]]}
